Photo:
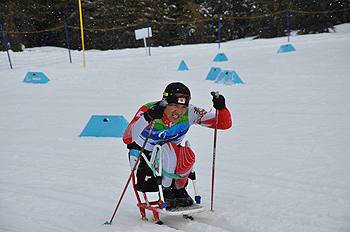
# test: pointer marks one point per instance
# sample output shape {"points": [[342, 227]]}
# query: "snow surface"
{"points": [[283, 166]]}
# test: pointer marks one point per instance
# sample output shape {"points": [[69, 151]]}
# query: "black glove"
{"points": [[154, 112], [218, 101]]}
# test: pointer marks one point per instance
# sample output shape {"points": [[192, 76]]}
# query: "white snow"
{"points": [[283, 166]]}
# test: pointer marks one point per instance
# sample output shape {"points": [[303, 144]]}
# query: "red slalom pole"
{"points": [[215, 94]]}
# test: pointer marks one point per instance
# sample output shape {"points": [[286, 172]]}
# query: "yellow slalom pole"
{"points": [[82, 31]]}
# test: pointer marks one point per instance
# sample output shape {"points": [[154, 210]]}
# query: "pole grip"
{"points": [[163, 103], [215, 94]]}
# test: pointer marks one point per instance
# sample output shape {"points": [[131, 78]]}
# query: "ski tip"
{"points": [[159, 222], [188, 217]]}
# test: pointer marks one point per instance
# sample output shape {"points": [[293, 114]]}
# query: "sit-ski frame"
{"points": [[159, 206]]}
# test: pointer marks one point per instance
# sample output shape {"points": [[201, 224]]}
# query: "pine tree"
{"points": [[315, 20], [110, 24], [20, 16], [269, 18]]}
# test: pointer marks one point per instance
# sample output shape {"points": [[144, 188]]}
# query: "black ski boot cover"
{"points": [[169, 198], [182, 197]]}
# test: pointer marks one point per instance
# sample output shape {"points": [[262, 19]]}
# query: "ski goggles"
{"points": [[177, 98]]}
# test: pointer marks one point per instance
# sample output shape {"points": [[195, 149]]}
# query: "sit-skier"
{"points": [[172, 123]]}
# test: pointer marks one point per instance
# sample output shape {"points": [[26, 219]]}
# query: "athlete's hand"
{"points": [[218, 100], [155, 112]]}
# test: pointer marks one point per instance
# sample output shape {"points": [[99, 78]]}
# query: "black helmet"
{"points": [[178, 93]]}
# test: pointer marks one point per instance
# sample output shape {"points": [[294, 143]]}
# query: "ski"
{"points": [[160, 223], [189, 223]]}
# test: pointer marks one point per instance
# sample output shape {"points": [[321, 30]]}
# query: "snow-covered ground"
{"points": [[283, 166]]}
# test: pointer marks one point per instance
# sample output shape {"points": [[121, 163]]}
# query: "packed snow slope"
{"points": [[283, 166]]}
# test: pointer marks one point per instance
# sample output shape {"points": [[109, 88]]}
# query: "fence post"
{"points": [[288, 23], [70, 58], [219, 29], [8, 54], [149, 40]]}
